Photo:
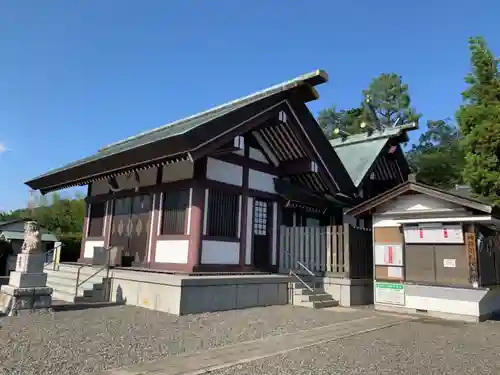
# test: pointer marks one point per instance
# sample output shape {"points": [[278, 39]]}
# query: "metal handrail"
{"points": [[106, 266], [53, 258], [291, 272]]}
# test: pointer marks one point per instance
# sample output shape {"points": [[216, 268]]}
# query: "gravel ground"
{"points": [[424, 347], [76, 342]]}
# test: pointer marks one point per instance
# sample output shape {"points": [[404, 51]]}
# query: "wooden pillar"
{"points": [[196, 208], [108, 222], [244, 209], [347, 256], [84, 232], [279, 221], [154, 228]]}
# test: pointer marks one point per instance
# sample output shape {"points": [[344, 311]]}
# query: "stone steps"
{"points": [[65, 278], [318, 299]]}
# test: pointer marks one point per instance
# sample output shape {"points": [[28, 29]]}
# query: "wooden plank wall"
{"points": [[339, 249]]}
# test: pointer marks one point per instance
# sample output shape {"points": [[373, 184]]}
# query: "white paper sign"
{"points": [[388, 255], [433, 233], [390, 293], [451, 233], [450, 263]]}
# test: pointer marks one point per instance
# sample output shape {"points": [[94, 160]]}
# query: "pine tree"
{"points": [[390, 99], [479, 120]]}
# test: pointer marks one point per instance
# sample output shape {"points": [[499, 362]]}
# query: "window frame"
{"points": [[92, 219], [216, 216], [174, 203]]}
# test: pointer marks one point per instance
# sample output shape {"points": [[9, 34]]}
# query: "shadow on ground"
{"points": [[68, 306]]}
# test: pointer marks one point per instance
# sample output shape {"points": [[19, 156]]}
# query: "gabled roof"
{"points": [[9, 231], [359, 152], [410, 186], [14, 235], [8, 222], [187, 139], [184, 125]]}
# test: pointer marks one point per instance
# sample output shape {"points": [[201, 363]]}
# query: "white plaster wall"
{"points": [[222, 171], [256, 154], [443, 305], [219, 252], [99, 187], [147, 177], [416, 203], [381, 221], [88, 251], [177, 171], [172, 251], [261, 181], [248, 248]]}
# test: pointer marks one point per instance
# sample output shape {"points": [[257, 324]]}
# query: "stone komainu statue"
{"points": [[32, 238]]}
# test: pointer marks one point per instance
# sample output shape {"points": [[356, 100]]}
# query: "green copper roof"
{"points": [[359, 157], [377, 134], [189, 123], [358, 152]]}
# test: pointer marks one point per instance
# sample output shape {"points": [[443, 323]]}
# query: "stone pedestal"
{"points": [[27, 289]]}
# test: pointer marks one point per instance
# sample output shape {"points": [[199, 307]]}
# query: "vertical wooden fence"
{"points": [[338, 249]]}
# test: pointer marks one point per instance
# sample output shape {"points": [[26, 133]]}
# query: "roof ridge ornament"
{"points": [[343, 134]]}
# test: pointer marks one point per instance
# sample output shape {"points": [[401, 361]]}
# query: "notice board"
{"points": [[388, 254], [434, 233], [390, 293]]}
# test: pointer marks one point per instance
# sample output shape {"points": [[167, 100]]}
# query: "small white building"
{"points": [[12, 231], [435, 252]]}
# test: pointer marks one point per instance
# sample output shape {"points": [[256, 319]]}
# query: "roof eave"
{"points": [[50, 181], [410, 186]]}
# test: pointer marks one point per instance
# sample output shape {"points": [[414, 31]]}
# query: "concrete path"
{"points": [[230, 355]]}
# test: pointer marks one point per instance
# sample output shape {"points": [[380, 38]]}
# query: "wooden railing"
{"points": [[338, 249]]}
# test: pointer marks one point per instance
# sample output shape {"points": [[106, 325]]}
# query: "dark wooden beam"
{"points": [[209, 147], [237, 144], [295, 167]]}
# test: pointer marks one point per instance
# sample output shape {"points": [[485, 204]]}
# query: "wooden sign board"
{"points": [[389, 273], [387, 235], [433, 233]]}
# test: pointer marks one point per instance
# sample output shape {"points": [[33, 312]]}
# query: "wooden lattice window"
{"points": [[96, 219], [175, 205], [222, 218]]}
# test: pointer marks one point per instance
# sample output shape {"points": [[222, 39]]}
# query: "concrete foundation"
{"points": [[181, 295], [349, 292], [462, 304]]}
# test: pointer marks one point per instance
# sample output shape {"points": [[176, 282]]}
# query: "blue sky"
{"points": [[77, 75]]}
